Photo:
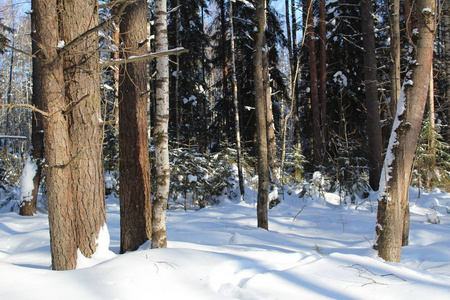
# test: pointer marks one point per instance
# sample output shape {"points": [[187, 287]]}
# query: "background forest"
{"points": [[330, 67]]}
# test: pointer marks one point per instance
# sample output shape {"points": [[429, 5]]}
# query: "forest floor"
{"points": [[316, 248]]}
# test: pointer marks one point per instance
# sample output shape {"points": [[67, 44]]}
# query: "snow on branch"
{"points": [[176, 51]]}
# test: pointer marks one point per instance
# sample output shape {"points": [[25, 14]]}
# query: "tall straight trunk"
{"points": [[432, 138], [135, 198], [393, 199], [82, 81], [28, 208], [314, 88], [177, 77], [446, 17], [161, 138], [61, 211], [371, 86], [261, 119], [236, 106], [323, 71], [395, 77], [224, 55]]}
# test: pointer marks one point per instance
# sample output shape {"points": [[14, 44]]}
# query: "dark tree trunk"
{"points": [[135, 198], [261, 116], [323, 71], [57, 151], [28, 208], [446, 17], [371, 86], [393, 200], [314, 88]]}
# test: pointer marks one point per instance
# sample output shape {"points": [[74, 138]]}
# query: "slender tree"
{"points": [[28, 208], [371, 89], [446, 22], [135, 198], [395, 78], [323, 70], [236, 104], [161, 138], [393, 200], [261, 116]]}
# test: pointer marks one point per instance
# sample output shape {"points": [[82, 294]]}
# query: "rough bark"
{"points": [[161, 139], [261, 119], [81, 75], [237, 125], [57, 151], [371, 89], [135, 198], [314, 88], [393, 200]]}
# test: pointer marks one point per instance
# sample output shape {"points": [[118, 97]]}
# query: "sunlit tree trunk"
{"points": [[135, 198], [393, 200], [371, 88], [446, 21], [61, 211], [82, 81], [261, 119], [161, 138]]}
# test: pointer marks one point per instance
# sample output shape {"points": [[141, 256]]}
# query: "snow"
{"points": [[218, 253], [26, 180]]}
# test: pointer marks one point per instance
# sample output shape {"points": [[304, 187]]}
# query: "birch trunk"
{"points": [[161, 138]]}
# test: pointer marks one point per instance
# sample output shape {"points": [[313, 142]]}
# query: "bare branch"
{"points": [[32, 107], [175, 51], [20, 51]]}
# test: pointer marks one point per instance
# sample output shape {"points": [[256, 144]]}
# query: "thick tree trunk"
{"points": [[82, 81], [161, 138], [261, 117], [314, 88], [371, 86], [236, 107], [135, 198], [57, 151], [393, 200], [28, 208]]}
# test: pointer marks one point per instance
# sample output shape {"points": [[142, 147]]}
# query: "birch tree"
{"points": [[161, 138], [392, 225]]}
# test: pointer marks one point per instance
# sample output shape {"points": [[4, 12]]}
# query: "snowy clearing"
{"points": [[218, 253]]}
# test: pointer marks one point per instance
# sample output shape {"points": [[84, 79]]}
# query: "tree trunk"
{"points": [[393, 199], [161, 138], [135, 198], [315, 105], [395, 77], [57, 143], [28, 208], [236, 107], [323, 72], [261, 116], [446, 18], [371, 89], [82, 81]]}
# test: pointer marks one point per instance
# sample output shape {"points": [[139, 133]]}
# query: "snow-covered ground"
{"points": [[218, 253]]}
